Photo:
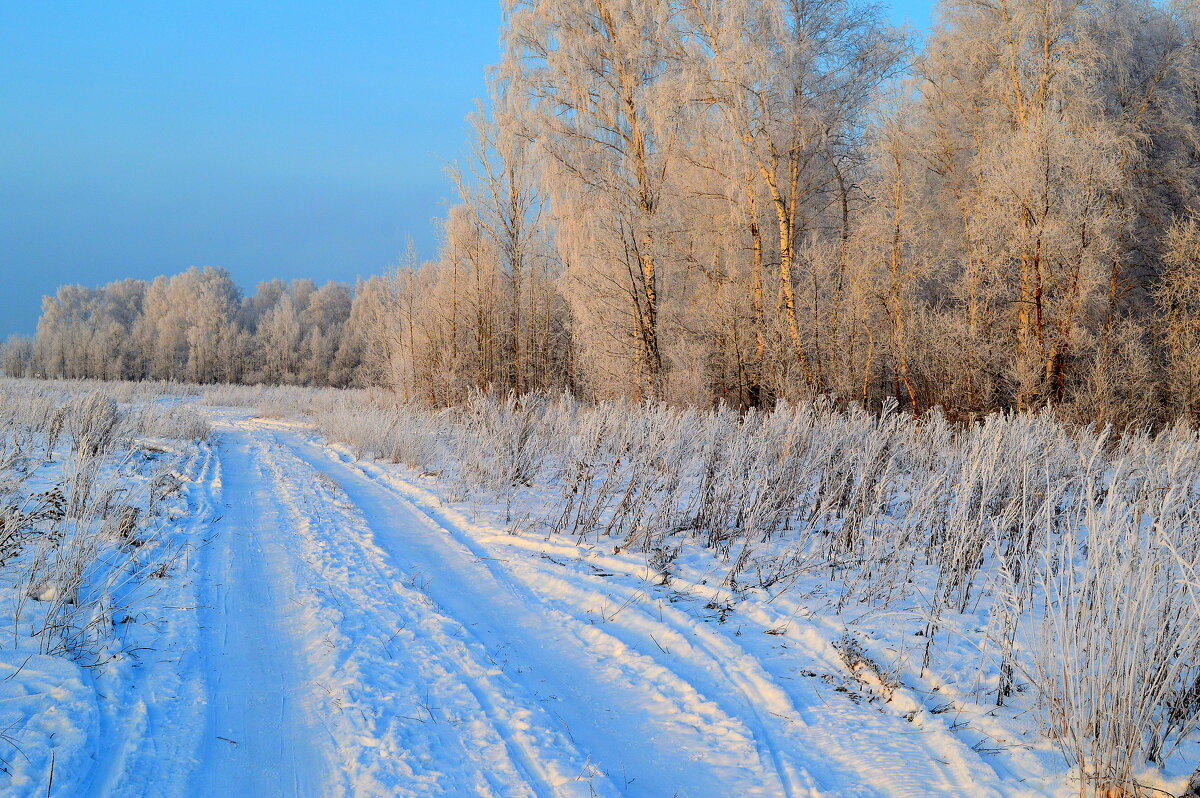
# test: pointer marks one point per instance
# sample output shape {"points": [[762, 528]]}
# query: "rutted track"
{"points": [[262, 737], [365, 643]]}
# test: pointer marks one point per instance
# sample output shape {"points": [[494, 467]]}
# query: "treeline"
{"points": [[753, 200], [748, 201], [198, 327]]}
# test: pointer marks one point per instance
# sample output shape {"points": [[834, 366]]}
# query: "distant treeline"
{"points": [[198, 327]]}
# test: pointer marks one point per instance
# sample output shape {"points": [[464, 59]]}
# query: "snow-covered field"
{"points": [[300, 618]]}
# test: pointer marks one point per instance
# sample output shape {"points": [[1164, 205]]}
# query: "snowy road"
{"points": [[360, 639], [264, 734]]}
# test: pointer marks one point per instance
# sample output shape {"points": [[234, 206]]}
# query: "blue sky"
{"points": [[300, 139]]}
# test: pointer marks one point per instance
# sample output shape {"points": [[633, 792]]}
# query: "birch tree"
{"points": [[597, 77], [794, 80]]}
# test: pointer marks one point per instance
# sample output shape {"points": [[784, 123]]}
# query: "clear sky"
{"points": [[299, 139]]}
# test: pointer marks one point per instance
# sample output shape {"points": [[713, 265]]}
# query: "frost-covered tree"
{"points": [[195, 326], [17, 356], [793, 81], [602, 103], [1178, 295]]}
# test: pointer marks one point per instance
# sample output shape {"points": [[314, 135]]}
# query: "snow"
{"points": [[336, 628], [117, 719]]}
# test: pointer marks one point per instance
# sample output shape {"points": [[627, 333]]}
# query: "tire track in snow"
{"points": [[261, 738], [144, 749], [374, 607], [914, 763], [793, 778], [812, 749], [785, 724], [648, 729], [439, 670]]}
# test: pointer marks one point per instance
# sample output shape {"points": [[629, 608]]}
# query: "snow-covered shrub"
{"points": [[395, 433], [502, 446], [77, 509], [171, 419], [91, 423], [1116, 648]]}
